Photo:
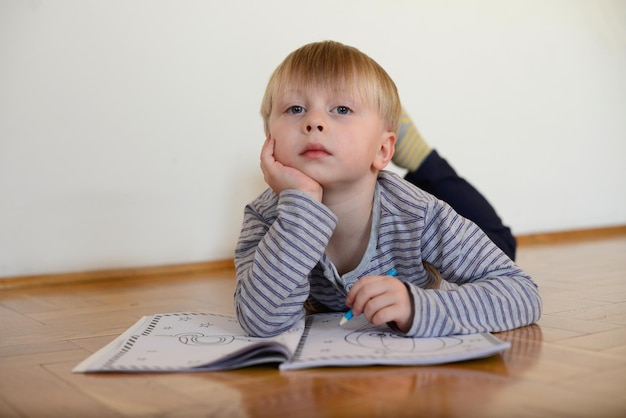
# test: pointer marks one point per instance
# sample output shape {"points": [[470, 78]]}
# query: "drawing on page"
{"points": [[198, 338], [383, 340]]}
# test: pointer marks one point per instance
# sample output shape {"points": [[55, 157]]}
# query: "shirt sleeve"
{"points": [[276, 251], [489, 292]]}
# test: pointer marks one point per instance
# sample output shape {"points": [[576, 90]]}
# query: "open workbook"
{"points": [[175, 342]]}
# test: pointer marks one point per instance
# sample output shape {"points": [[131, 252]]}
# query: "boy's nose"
{"points": [[309, 128], [315, 120]]}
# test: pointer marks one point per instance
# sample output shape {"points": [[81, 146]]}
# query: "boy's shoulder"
{"points": [[404, 202], [399, 191]]}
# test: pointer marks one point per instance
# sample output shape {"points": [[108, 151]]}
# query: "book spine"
{"points": [[307, 326]]}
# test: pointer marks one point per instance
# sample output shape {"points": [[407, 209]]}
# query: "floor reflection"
{"points": [[452, 389]]}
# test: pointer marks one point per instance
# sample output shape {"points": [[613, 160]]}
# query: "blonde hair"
{"points": [[340, 68]]}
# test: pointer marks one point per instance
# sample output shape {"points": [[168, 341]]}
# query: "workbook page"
{"points": [[189, 341], [357, 342]]}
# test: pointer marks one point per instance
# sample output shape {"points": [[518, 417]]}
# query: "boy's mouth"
{"points": [[315, 151]]}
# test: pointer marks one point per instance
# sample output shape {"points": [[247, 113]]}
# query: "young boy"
{"points": [[333, 223]]}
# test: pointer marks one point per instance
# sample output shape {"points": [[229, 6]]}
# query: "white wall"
{"points": [[129, 130]]}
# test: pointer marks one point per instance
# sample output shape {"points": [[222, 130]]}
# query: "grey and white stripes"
{"points": [[280, 263]]}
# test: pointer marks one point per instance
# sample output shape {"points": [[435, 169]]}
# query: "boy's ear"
{"points": [[386, 150]]}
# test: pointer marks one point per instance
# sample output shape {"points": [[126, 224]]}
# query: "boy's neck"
{"points": [[350, 201], [353, 209]]}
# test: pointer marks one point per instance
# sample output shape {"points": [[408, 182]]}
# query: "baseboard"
{"points": [[571, 236], [115, 274], [214, 266]]}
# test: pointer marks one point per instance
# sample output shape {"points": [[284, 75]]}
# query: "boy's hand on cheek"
{"points": [[382, 299], [281, 177]]}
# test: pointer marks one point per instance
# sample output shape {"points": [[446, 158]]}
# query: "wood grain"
{"points": [[572, 363]]}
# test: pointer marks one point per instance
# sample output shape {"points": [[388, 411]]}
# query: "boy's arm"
{"points": [[493, 293], [273, 259]]}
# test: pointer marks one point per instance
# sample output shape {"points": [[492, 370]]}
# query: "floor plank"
{"points": [[572, 363]]}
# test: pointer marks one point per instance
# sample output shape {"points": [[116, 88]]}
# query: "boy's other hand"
{"points": [[382, 299], [281, 177]]}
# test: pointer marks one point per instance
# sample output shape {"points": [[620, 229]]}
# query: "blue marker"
{"points": [[348, 316]]}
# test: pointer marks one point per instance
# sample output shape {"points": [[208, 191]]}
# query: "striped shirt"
{"points": [[280, 263]]}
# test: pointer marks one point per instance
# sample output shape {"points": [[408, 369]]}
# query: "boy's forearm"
{"points": [[273, 266], [493, 293], [492, 305]]}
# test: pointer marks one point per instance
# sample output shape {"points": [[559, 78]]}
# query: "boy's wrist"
{"points": [[315, 194], [288, 197]]}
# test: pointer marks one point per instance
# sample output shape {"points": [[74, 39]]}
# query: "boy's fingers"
{"points": [[268, 148], [380, 298], [365, 289]]}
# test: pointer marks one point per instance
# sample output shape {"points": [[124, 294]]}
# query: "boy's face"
{"points": [[334, 138]]}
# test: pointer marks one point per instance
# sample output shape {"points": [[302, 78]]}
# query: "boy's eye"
{"points": [[295, 110], [342, 110]]}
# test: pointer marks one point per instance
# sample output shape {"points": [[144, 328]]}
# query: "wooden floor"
{"points": [[571, 364]]}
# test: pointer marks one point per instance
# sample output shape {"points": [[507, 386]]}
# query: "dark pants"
{"points": [[438, 178]]}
